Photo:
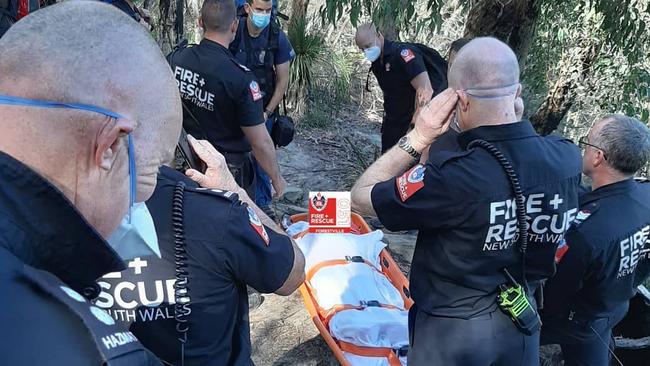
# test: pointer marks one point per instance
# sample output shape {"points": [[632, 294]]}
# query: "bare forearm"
{"points": [[243, 196], [393, 163], [266, 157], [280, 88]]}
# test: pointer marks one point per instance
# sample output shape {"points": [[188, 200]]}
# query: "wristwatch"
{"points": [[405, 144]]}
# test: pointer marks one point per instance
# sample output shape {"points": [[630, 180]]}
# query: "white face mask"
{"points": [[372, 53], [135, 237]]}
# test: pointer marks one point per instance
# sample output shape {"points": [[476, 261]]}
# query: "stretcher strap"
{"points": [[388, 353], [329, 313], [337, 262]]}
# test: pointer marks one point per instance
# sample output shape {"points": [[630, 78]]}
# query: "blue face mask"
{"points": [[260, 21], [372, 53], [136, 235]]}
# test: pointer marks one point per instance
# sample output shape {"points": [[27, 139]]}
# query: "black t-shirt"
{"points": [[462, 204], [399, 64], [219, 92], [604, 256], [227, 249]]}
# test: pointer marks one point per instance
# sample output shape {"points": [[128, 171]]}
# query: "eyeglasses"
{"points": [[584, 141], [37, 103]]}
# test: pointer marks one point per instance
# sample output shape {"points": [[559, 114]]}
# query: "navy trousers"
{"points": [[488, 340]]}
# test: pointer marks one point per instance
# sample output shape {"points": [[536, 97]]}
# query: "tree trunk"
{"points": [[165, 29], [561, 95], [512, 21], [388, 28], [299, 9]]}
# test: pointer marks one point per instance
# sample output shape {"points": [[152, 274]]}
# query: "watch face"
{"points": [[403, 141]]}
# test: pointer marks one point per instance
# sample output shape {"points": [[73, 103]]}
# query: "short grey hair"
{"points": [[625, 141]]}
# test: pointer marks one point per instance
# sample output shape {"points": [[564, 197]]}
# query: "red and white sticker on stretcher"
{"points": [[329, 212]]}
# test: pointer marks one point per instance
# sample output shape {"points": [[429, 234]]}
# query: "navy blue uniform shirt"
{"points": [[394, 70], [49, 257], [604, 256], [462, 204], [252, 52], [227, 249], [219, 92]]}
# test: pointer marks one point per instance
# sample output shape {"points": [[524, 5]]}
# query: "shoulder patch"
{"points": [[257, 225], [254, 88], [581, 217], [407, 55], [561, 250], [410, 182]]}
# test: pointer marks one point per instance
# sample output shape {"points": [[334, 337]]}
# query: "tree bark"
{"points": [[561, 95], [512, 21], [165, 28], [299, 9]]}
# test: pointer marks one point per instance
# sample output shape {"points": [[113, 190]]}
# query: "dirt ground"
{"points": [[320, 160]]}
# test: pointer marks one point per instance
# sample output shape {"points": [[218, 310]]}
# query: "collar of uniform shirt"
{"points": [[389, 47], [608, 190], [505, 132]]}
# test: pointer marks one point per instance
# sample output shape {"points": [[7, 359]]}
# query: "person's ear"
{"points": [[463, 100], [234, 26], [107, 148], [518, 95], [247, 8], [599, 158]]}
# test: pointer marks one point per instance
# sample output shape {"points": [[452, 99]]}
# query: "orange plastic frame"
{"points": [[388, 267]]}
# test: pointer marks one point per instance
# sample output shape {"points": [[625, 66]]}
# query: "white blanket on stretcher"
{"points": [[352, 283]]}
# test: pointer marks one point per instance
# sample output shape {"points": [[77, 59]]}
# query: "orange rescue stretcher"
{"points": [[321, 316]]}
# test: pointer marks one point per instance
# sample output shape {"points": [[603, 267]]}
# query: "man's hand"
{"points": [[433, 119], [217, 175], [279, 186]]}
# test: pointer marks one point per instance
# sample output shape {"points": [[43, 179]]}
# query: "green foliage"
{"points": [[331, 90], [307, 47], [320, 76], [624, 24], [318, 115], [618, 80], [405, 14]]}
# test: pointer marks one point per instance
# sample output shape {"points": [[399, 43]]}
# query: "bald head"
{"points": [[89, 53], [367, 36], [484, 62]]}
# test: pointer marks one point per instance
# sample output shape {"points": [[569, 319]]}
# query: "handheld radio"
{"points": [[513, 298]]}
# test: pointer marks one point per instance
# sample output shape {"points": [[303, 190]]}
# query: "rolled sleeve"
{"points": [[404, 203]]}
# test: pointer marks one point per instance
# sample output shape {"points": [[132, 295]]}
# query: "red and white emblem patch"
{"points": [[561, 251], [407, 55], [410, 182], [256, 223], [254, 87]]}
